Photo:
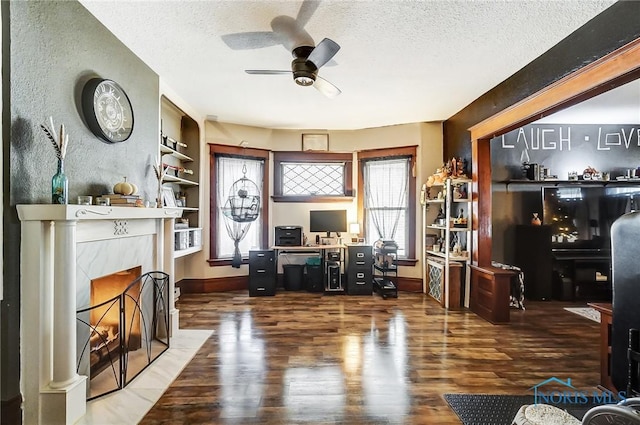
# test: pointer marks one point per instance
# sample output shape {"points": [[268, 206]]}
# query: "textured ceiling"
{"points": [[399, 62]]}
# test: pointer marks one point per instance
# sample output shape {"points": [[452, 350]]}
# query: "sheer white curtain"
{"points": [[230, 169], [386, 200]]}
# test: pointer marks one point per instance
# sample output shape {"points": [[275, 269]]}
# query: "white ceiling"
{"points": [[400, 61]]}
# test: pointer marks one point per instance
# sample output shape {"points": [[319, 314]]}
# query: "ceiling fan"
{"points": [[304, 67], [290, 32]]}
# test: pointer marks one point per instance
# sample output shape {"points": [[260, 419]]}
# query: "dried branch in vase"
{"points": [[60, 141]]}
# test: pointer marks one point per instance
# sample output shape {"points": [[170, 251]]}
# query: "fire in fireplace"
{"points": [[124, 329], [105, 317]]}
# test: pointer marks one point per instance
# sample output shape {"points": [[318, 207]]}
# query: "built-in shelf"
{"points": [[187, 241], [188, 251], [179, 147], [179, 180], [182, 157]]}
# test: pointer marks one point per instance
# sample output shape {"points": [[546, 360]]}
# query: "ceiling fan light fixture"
{"points": [[304, 80], [304, 73]]}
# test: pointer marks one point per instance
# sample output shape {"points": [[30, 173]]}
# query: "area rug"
{"points": [[588, 312], [491, 409]]}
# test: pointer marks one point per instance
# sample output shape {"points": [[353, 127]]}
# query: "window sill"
{"points": [[280, 198], [219, 262]]}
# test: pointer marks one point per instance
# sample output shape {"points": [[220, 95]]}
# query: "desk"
{"points": [[605, 343], [333, 282]]}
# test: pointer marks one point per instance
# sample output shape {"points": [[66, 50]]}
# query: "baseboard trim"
{"points": [[11, 411], [409, 284], [213, 284], [239, 283]]}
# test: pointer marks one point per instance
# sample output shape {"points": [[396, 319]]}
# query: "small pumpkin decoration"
{"points": [[125, 188]]}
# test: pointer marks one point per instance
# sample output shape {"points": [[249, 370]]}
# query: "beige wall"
{"points": [[427, 136]]}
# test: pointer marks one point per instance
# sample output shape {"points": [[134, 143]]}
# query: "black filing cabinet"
{"points": [[359, 269], [262, 273]]}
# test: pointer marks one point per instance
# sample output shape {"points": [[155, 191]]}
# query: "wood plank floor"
{"points": [[307, 358]]}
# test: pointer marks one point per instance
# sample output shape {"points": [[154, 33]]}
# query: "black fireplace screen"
{"points": [[118, 338]]}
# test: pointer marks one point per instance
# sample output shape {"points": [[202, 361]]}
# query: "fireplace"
{"points": [[64, 249], [124, 330]]}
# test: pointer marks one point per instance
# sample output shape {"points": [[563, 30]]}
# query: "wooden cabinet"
{"points": [[446, 242], [179, 153]]}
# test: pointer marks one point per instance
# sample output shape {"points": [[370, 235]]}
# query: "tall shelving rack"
{"points": [[445, 271]]}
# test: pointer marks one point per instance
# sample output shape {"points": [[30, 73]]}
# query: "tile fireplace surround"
{"points": [[62, 248]]}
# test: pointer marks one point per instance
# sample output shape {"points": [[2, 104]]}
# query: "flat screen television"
{"points": [[328, 221], [580, 217]]}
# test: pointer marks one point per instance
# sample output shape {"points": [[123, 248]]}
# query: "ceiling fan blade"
{"points": [[265, 72], [250, 40], [307, 9], [323, 52], [326, 88]]}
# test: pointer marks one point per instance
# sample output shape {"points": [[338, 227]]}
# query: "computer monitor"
{"points": [[328, 221]]}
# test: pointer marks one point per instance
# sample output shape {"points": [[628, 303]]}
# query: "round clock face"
{"points": [[107, 110]]}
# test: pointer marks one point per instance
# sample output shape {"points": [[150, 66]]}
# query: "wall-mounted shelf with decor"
{"points": [[180, 157], [615, 182]]}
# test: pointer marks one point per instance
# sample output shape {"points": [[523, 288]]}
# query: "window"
{"points": [[387, 190], [228, 166], [312, 177]]}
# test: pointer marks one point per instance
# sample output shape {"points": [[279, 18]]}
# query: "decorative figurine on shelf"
{"points": [[535, 220], [463, 191], [455, 168], [460, 220], [440, 218], [457, 192]]}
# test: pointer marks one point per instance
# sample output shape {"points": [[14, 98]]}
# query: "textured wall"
{"points": [[55, 47]]}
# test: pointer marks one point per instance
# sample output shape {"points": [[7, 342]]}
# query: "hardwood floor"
{"points": [[307, 358]]}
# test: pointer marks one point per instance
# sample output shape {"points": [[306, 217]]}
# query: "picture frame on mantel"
{"points": [[315, 142], [168, 197]]}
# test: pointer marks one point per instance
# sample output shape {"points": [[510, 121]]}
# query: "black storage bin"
{"points": [[293, 276], [314, 278]]}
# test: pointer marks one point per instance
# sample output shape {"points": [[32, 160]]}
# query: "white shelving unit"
{"points": [[445, 264], [179, 151]]}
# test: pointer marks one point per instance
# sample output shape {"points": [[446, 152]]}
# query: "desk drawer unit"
{"points": [[359, 270], [262, 273]]}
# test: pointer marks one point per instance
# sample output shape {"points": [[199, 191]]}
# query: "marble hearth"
{"points": [[64, 247]]}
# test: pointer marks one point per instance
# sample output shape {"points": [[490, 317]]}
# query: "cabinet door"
{"points": [[533, 256]]}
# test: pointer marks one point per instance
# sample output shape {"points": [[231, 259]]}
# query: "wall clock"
{"points": [[107, 110]]}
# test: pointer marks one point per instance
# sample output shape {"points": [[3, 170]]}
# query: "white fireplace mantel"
{"points": [[52, 390]]}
